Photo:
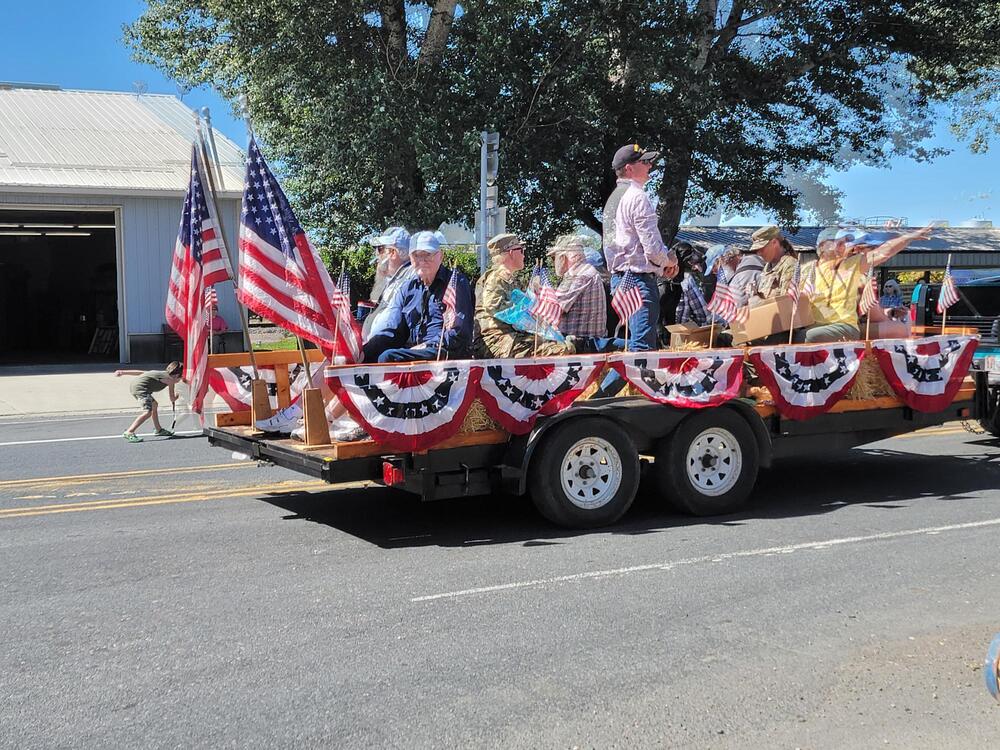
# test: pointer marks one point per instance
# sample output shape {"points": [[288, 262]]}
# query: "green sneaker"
{"points": [[131, 437], [163, 432]]}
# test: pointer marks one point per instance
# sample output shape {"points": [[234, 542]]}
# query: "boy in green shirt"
{"points": [[143, 387]]}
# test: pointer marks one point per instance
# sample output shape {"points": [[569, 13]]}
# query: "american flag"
{"points": [[627, 299], [949, 294], [869, 295], [211, 298], [722, 303], [809, 287], [450, 300], [197, 263], [281, 277], [342, 296], [793, 285], [546, 307]]}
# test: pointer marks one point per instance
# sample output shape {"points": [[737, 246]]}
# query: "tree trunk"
{"points": [[673, 190]]}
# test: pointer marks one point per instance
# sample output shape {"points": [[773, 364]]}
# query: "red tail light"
{"points": [[391, 475]]}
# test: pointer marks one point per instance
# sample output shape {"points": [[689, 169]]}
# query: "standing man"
{"points": [[581, 292], [392, 254], [632, 242], [494, 337], [413, 326]]}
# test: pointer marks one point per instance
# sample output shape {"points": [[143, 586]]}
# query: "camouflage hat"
{"points": [[503, 243], [762, 236], [568, 243]]}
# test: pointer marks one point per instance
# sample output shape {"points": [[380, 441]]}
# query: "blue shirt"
{"points": [[416, 316]]}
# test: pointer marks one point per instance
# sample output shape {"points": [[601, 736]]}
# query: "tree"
{"points": [[374, 108]]}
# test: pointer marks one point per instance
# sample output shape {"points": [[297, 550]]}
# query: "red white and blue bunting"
{"points": [[691, 380], [805, 381], [407, 407], [926, 373], [515, 392]]}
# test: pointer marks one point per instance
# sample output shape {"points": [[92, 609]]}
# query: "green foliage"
{"points": [[373, 110]]}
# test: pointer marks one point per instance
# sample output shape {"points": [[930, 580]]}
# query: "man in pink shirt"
{"points": [[632, 242]]}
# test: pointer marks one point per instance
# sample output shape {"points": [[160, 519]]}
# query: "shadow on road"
{"points": [[877, 478]]}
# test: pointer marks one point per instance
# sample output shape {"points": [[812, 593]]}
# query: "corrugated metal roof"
{"points": [[101, 141], [971, 247]]}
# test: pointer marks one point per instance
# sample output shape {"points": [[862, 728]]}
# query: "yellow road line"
{"points": [[83, 478], [933, 433], [42, 510]]}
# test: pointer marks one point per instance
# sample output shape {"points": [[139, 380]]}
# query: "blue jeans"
{"points": [[409, 355], [641, 331]]}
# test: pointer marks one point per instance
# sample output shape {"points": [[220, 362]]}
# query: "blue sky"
{"points": [[79, 45]]}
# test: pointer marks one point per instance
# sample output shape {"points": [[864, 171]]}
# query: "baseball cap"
{"points": [[393, 237], [503, 243], [714, 255], [566, 242], [594, 257], [426, 241], [827, 235], [632, 153], [762, 236]]}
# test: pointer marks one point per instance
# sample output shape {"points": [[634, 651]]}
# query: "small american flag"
{"points": [[627, 299], [723, 303], [949, 294], [546, 307], [793, 285], [869, 295], [450, 300], [341, 298], [809, 287], [211, 298]]}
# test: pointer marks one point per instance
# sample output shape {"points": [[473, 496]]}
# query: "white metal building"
{"points": [[91, 190]]}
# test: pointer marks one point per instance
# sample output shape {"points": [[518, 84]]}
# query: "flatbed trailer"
{"points": [[582, 466]]}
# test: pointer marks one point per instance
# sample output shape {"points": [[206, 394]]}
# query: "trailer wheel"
{"points": [[708, 467], [585, 473]]}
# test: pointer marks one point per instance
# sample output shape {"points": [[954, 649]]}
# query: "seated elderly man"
{"points": [[494, 337], [392, 253], [844, 261], [412, 329], [581, 291], [765, 252]]}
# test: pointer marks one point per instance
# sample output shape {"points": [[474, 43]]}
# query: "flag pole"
{"points": [[534, 348], [711, 333], [944, 314], [441, 338], [213, 203], [798, 293]]}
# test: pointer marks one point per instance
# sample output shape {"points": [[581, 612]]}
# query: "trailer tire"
{"points": [[708, 467], [585, 473]]}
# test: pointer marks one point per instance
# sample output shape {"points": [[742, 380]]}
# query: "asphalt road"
{"points": [[163, 594]]}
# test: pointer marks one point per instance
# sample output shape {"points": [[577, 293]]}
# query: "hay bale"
{"points": [[478, 420], [870, 383]]}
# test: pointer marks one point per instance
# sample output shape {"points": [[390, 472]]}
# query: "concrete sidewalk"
{"points": [[69, 389]]}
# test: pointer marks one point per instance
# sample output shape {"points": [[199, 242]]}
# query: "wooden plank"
{"points": [[233, 419], [366, 448], [261, 402], [284, 357], [317, 429], [966, 393], [281, 385]]}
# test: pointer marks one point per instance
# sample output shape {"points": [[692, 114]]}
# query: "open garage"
{"points": [[58, 286]]}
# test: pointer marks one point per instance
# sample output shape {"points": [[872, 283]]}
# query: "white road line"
{"points": [[124, 414], [95, 437], [718, 557]]}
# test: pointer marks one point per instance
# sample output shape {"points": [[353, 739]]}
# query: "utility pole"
{"points": [[488, 166]]}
